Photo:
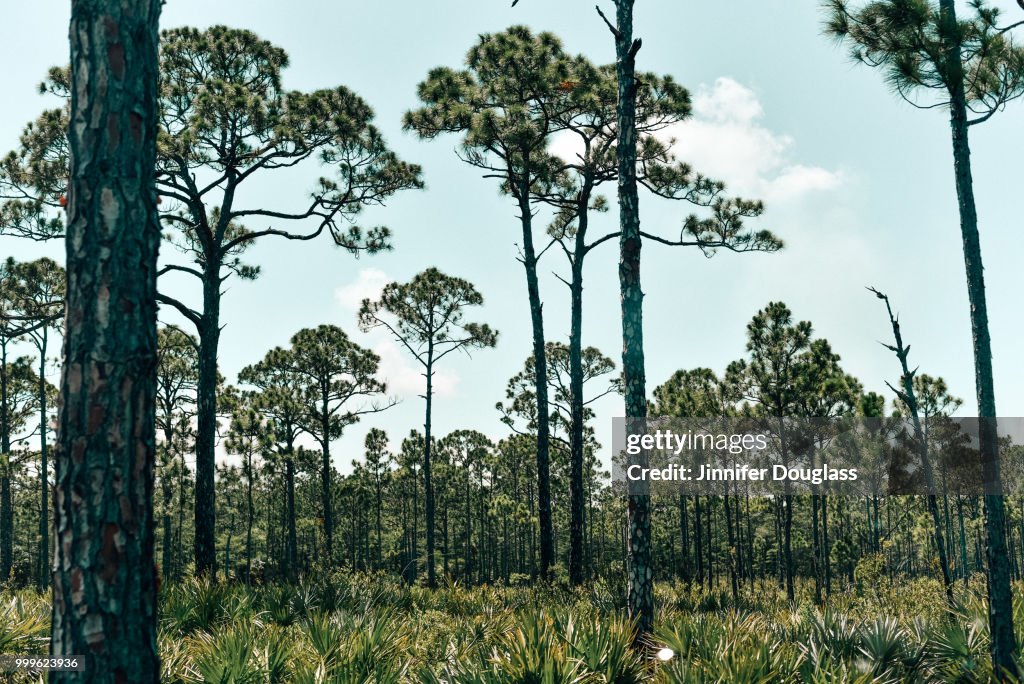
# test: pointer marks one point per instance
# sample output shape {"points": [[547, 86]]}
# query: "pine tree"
{"points": [[973, 68], [427, 317], [506, 104]]}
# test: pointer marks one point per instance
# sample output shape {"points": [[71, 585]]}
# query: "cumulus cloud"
{"points": [[725, 139], [368, 285]]}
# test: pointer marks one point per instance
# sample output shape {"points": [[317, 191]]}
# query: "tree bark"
{"points": [[104, 589], [640, 589], [577, 502], [1003, 643], [206, 426], [540, 369]]}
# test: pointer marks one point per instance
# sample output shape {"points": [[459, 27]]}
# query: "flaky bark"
{"points": [[104, 592]]}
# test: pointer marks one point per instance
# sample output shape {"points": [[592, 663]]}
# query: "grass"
{"points": [[373, 629]]}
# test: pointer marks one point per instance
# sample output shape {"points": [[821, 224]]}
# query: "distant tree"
{"points": [[568, 404], [772, 382], [224, 119], [177, 378], [41, 286], [427, 317], [338, 385], [247, 437], [410, 458], [18, 404], [696, 393], [281, 401], [505, 103], [105, 584], [466, 450], [826, 392], [378, 467], [973, 68]]}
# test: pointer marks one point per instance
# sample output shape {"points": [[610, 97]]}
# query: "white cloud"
{"points": [[402, 373], [368, 285], [726, 140], [567, 146], [404, 376]]}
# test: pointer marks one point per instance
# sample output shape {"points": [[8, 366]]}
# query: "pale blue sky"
{"points": [[858, 184]]}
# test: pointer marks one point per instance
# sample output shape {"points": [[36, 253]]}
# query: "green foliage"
{"points": [[374, 629], [922, 47]]}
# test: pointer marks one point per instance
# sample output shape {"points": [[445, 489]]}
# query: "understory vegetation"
{"points": [[372, 628]]}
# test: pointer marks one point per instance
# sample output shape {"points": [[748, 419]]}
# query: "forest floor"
{"points": [[356, 629]]}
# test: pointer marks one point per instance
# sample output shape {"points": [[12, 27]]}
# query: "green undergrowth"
{"points": [[374, 629]]}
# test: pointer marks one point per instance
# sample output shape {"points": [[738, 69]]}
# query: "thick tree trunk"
{"points": [[104, 589], [640, 588], [1000, 613], [540, 369], [206, 426]]}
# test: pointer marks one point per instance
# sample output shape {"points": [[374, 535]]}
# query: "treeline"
{"points": [[276, 521]]}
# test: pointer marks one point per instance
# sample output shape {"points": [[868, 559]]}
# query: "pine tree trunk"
{"points": [[291, 539], [540, 369], [640, 588], [251, 510], [44, 469], [428, 485], [325, 486], [104, 590], [6, 510], [1003, 643], [206, 426], [577, 502]]}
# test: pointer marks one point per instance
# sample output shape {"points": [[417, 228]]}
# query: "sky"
{"points": [[857, 183]]}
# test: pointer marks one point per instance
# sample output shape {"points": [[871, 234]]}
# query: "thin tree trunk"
{"points": [[206, 426], [6, 510], [540, 369], [104, 585], [640, 587], [291, 539], [577, 503], [428, 485], [44, 468], [1003, 643], [252, 516]]}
